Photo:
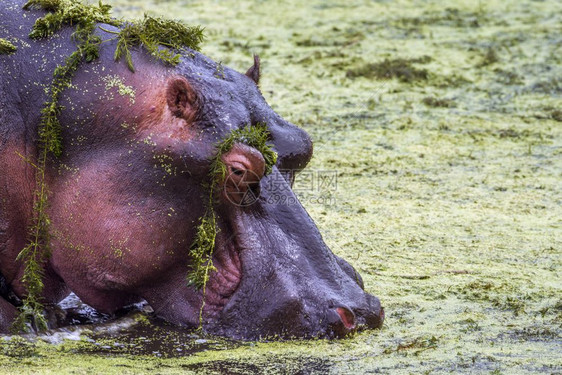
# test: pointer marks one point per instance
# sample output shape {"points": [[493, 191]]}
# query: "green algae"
{"points": [[6, 48], [153, 32], [114, 81], [400, 68], [66, 12], [451, 214], [438, 102]]}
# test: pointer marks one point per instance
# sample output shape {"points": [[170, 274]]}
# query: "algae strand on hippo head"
{"points": [[6, 47], [201, 251], [150, 33]]}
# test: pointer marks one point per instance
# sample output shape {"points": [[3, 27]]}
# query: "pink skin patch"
{"points": [[224, 281]]}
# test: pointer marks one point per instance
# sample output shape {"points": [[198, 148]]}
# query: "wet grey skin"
{"points": [[129, 191]]}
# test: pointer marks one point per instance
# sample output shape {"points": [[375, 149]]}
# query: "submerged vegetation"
{"points": [[150, 33]]}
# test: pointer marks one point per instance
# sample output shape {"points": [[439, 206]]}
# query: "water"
{"points": [[448, 197]]}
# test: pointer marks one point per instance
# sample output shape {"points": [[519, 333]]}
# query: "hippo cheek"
{"points": [[290, 284]]}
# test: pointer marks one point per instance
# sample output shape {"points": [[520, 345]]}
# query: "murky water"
{"points": [[442, 125]]}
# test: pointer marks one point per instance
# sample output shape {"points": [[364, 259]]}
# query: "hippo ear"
{"points": [[181, 98], [254, 71]]}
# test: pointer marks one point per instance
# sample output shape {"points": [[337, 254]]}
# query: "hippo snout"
{"points": [[374, 316], [344, 320], [290, 284], [313, 316]]}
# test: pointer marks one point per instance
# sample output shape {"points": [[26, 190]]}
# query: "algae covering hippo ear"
{"points": [[152, 178]]}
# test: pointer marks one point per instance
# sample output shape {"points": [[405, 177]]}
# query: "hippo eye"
{"points": [[237, 172]]}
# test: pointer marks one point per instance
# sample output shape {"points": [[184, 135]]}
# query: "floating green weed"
{"points": [[6, 47], [402, 69], [151, 33], [201, 251], [431, 101], [19, 348], [555, 114], [489, 58]]}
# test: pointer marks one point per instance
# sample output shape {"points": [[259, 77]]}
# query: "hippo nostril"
{"points": [[341, 321], [347, 317]]}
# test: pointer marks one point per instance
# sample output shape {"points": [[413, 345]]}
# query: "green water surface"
{"points": [[443, 123]]}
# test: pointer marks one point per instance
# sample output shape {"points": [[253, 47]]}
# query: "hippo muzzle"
{"points": [[291, 284], [274, 275]]}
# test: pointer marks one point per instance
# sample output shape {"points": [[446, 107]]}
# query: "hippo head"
{"points": [[134, 186]]}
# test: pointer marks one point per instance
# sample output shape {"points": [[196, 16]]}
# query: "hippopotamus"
{"points": [[128, 191]]}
